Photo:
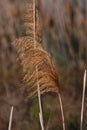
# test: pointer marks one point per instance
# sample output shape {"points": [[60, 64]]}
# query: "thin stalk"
{"points": [[83, 97], [34, 20], [62, 112], [39, 100], [38, 87], [10, 119]]}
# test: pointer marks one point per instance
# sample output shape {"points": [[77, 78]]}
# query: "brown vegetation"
{"points": [[65, 30], [58, 25], [32, 56]]}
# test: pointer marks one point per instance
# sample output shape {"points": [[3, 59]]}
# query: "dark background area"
{"points": [[64, 25]]}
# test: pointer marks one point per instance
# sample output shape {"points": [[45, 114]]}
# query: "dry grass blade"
{"points": [[62, 112], [39, 100], [83, 96], [10, 119]]}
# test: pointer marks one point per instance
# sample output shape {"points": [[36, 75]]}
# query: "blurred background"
{"points": [[64, 25]]}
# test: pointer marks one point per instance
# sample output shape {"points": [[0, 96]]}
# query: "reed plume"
{"points": [[40, 74], [31, 57], [29, 21]]}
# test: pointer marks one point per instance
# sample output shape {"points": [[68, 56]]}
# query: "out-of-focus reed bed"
{"points": [[10, 14], [65, 30], [10, 80]]}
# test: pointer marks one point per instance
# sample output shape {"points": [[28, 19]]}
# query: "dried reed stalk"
{"points": [[38, 87], [62, 111], [39, 100], [83, 96], [10, 119]]}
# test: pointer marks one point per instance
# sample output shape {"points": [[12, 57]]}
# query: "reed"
{"points": [[40, 72], [31, 53], [83, 97], [10, 119]]}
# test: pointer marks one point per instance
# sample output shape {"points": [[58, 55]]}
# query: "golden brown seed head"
{"points": [[30, 58]]}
